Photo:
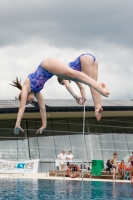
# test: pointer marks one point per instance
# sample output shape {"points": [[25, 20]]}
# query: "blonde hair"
{"points": [[18, 85]]}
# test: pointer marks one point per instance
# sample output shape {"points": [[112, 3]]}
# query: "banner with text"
{"points": [[30, 166]]}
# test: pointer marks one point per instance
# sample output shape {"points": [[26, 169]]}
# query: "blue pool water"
{"points": [[35, 189]]}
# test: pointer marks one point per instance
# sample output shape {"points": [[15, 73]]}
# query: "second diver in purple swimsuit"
{"points": [[34, 83], [88, 64]]}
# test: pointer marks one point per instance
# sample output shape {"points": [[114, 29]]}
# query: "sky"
{"points": [[33, 30]]}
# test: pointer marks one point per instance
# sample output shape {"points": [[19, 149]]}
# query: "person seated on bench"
{"points": [[121, 168], [62, 160], [109, 166]]}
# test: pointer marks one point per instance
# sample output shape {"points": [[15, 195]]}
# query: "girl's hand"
{"points": [[39, 131], [78, 99], [17, 129], [83, 100]]}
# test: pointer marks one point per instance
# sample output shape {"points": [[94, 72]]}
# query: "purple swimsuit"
{"points": [[40, 76], [76, 65], [38, 79]]}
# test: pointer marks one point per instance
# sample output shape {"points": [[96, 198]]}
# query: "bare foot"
{"points": [[98, 113], [103, 90]]}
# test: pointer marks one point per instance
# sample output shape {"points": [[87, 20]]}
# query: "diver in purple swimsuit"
{"points": [[35, 83], [88, 64]]}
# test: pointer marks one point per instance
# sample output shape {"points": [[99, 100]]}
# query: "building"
{"points": [[65, 130]]}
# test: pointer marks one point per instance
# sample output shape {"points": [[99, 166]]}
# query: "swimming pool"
{"points": [[38, 189]]}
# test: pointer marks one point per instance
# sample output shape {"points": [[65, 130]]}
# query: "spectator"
{"points": [[109, 166], [131, 166], [121, 168], [62, 160], [113, 162], [70, 157]]}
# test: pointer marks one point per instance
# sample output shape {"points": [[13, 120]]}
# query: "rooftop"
{"points": [[53, 105], [58, 108]]}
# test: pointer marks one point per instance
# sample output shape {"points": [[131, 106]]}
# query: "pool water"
{"points": [[38, 189]]}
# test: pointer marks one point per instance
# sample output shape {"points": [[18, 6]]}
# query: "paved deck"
{"points": [[45, 176]]}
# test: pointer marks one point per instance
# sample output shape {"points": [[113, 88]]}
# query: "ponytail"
{"points": [[17, 84]]}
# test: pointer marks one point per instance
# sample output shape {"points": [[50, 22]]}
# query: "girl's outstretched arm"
{"points": [[70, 90], [41, 103], [21, 110], [82, 92]]}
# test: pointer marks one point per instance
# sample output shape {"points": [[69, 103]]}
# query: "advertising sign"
{"points": [[30, 166]]}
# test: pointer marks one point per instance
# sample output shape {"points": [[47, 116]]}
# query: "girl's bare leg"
{"points": [[90, 68], [65, 72], [114, 171]]}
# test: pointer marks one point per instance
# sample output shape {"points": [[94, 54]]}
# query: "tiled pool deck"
{"points": [[45, 176]]}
